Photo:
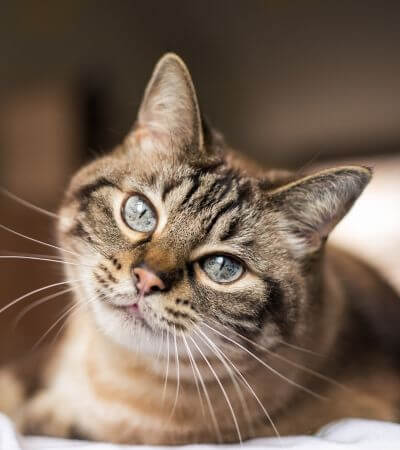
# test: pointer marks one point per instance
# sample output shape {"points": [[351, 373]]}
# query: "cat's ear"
{"points": [[313, 205], [169, 117]]}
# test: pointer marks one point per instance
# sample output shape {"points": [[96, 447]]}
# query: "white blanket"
{"points": [[349, 434]]}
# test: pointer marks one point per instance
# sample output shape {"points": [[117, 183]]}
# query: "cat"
{"points": [[208, 307]]}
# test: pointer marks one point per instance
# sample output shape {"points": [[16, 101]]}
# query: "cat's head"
{"points": [[174, 237]]}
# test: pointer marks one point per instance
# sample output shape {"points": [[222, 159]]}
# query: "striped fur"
{"points": [[115, 378]]}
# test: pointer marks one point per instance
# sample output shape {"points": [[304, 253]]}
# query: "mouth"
{"points": [[138, 313], [133, 311]]}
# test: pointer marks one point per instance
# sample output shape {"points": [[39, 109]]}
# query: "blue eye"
{"points": [[221, 268], [139, 214]]}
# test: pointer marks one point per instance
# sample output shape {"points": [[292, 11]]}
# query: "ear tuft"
{"points": [[169, 115], [313, 205]]}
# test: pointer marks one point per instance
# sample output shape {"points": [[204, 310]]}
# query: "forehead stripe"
{"points": [[227, 208], [195, 186], [231, 229], [168, 187], [215, 193], [84, 193]]}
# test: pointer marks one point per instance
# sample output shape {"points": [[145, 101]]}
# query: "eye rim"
{"points": [[147, 200], [239, 261]]}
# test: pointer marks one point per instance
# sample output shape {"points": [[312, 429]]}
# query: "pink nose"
{"points": [[147, 281]]}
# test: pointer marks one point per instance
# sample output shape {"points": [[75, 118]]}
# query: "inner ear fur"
{"points": [[313, 205]]}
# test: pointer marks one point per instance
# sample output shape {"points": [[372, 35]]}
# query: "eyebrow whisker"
{"points": [[10, 230], [30, 205], [41, 302], [19, 299], [34, 258]]}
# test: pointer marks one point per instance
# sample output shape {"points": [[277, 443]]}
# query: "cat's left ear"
{"points": [[312, 206], [169, 117]]}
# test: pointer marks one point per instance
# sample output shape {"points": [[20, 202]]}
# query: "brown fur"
{"points": [[107, 379]]}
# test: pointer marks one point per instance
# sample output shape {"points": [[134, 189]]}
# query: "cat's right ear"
{"points": [[169, 118]]}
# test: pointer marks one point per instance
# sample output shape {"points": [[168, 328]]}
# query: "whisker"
{"points": [[271, 369], [177, 375], [74, 308], [249, 387], [37, 255], [190, 356], [59, 261], [301, 349], [161, 345], [43, 337], [222, 390], [210, 407], [28, 204], [281, 341], [288, 361], [19, 299], [62, 327], [232, 375], [167, 368], [40, 302], [81, 305], [17, 233]]}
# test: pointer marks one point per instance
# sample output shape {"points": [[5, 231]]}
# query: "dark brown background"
{"points": [[288, 82]]}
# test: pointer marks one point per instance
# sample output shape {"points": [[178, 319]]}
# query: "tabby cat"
{"points": [[208, 306]]}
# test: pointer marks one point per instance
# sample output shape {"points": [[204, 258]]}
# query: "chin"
{"points": [[133, 333]]}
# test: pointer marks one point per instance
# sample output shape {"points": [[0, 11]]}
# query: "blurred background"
{"points": [[294, 84]]}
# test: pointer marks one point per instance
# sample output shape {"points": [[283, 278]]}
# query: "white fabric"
{"points": [[348, 434]]}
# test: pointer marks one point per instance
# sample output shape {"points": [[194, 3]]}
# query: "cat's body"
{"points": [[198, 316]]}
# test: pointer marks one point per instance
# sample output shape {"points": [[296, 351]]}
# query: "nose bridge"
{"points": [[158, 270], [161, 258]]}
